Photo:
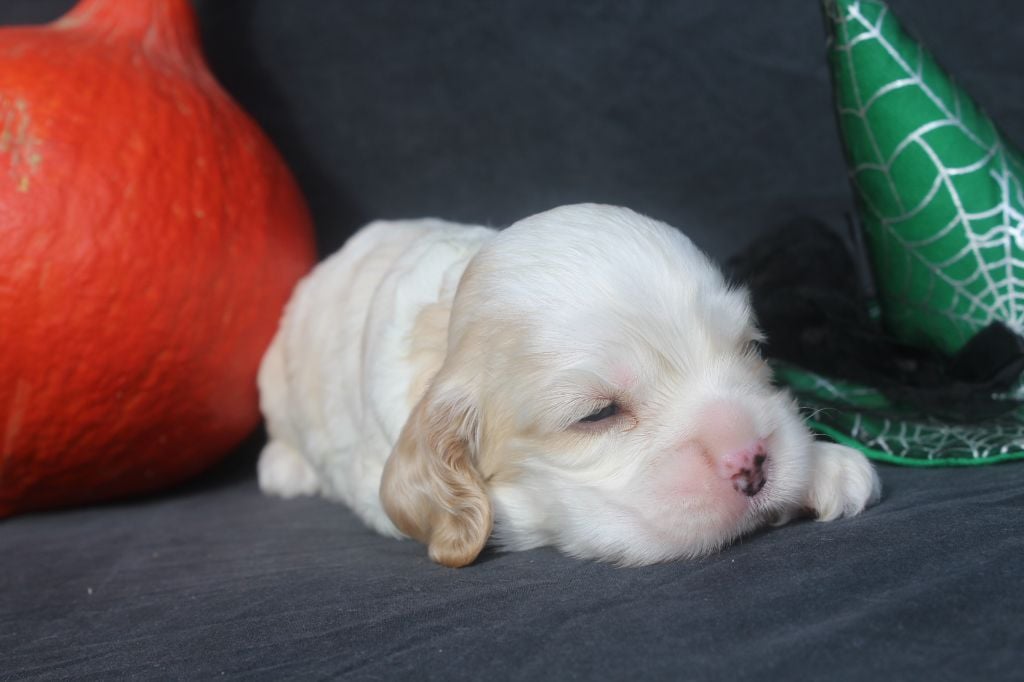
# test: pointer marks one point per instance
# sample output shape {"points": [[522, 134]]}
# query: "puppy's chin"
{"points": [[660, 505], [623, 529]]}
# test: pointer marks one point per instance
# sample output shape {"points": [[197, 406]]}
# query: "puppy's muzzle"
{"points": [[745, 468]]}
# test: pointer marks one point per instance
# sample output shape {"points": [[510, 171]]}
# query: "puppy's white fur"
{"points": [[434, 377]]}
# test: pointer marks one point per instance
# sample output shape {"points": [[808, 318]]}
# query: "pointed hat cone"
{"points": [[939, 188], [939, 191]]}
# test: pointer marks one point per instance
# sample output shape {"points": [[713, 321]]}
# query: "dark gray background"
{"points": [[712, 115]]}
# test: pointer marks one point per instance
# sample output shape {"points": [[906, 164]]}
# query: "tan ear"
{"points": [[431, 489]]}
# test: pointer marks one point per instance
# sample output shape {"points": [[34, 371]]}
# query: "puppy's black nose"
{"points": [[750, 479]]}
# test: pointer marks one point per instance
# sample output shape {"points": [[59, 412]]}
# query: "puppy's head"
{"points": [[602, 393]]}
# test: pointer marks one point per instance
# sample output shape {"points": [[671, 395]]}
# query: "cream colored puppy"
{"points": [[584, 379]]}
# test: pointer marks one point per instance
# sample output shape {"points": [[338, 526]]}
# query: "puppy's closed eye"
{"points": [[754, 348], [607, 412], [610, 415]]}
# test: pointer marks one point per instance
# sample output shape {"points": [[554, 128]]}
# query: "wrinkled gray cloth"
{"points": [[218, 579], [715, 116]]}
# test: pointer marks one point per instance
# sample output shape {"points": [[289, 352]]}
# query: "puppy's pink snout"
{"points": [[745, 467], [730, 438]]}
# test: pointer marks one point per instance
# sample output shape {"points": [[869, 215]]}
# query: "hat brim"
{"points": [[863, 418]]}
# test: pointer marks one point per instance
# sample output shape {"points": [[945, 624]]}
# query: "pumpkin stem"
{"points": [[161, 27]]}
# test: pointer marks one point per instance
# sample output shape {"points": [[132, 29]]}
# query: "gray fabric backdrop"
{"points": [[714, 116]]}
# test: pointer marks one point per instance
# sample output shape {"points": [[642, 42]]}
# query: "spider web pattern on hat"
{"points": [[862, 417], [939, 192], [938, 187]]}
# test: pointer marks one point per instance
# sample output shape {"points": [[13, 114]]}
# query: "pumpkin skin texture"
{"points": [[150, 236]]}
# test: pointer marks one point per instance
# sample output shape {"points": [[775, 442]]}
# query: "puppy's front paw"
{"points": [[844, 483], [282, 471]]}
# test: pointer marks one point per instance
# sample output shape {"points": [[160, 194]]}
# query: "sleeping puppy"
{"points": [[584, 379]]}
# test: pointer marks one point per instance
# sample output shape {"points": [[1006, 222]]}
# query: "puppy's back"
{"points": [[333, 382]]}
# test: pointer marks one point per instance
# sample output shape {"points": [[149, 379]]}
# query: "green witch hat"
{"points": [[939, 193]]}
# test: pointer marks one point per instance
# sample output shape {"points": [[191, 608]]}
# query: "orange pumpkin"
{"points": [[149, 238]]}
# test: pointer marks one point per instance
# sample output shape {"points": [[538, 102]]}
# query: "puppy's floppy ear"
{"points": [[431, 489]]}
